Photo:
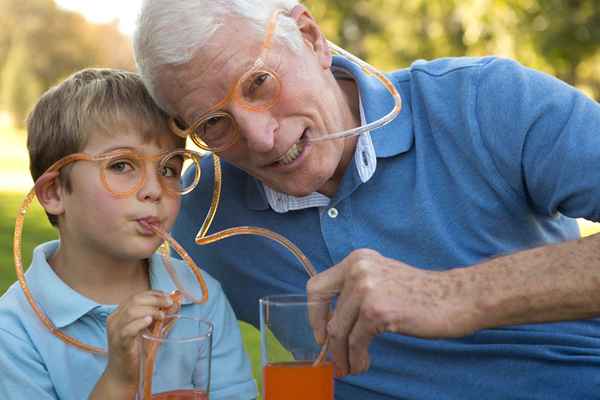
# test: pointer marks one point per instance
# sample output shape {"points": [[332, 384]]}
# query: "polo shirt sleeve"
{"points": [[23, 374], [543, 137], [231, 374]]}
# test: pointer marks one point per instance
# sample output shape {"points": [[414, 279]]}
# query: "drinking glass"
{"points": [[175, 363], [292, 369]]}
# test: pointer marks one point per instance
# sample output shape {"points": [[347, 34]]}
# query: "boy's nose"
{"points": [[152, 189]]}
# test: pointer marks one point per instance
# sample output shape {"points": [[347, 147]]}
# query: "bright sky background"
{"points": [[106, 11]]}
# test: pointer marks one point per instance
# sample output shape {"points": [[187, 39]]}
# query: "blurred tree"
{"points": [[556, 36], [565, 33], [41, 44], [21, 86]]}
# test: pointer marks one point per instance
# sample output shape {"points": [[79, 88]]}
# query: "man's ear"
{"points": [[312, 35], [50, 193]]}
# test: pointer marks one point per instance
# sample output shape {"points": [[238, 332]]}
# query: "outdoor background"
{"points": [[43, 41]]}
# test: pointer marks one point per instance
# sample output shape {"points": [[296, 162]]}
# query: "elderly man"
{"points": [[453, 222]]}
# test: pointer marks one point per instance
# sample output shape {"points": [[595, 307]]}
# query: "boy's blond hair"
{"points": [[91, 100]]}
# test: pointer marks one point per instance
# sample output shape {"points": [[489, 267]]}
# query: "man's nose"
{"points": [[257, 129]]}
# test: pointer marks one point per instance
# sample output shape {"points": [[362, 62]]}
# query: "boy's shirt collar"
{"points": [[62, 304]]}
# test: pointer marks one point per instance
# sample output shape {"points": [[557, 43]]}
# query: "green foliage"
{"points": [[41, 44], [20, 85], [36, 230], [556, 36]]}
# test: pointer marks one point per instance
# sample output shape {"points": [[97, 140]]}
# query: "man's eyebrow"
{"points": [[240, 70]]}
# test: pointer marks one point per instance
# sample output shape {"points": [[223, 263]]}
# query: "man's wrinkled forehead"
{"points": [[210, 74]]}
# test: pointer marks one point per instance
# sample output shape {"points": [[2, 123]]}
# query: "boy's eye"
{"points": [[121, 166], [169, 172]]}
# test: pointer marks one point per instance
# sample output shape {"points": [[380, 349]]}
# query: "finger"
{"points": [[153, 298], [319, 313], [340, 326], [118, 320], [327, 282], [322, 288], [360, 338], [131, 330]]}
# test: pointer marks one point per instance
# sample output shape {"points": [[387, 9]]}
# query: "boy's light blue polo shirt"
{"points": [[486, 158], [35, 364]]}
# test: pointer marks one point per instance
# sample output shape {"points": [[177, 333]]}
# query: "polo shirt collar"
{"points": [[390, 140], [256, 199], [397, 136], [63, 305]]}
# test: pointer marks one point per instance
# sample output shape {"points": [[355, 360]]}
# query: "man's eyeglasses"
{"points": [[258, 90], [123, 171]]}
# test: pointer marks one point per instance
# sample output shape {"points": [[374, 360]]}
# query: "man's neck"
{"points": [[349, 93]]}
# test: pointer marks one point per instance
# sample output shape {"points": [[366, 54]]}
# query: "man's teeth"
{"points": [[292, 154]]}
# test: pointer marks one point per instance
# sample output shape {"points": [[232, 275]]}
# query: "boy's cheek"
{"points": [[173, 210]]}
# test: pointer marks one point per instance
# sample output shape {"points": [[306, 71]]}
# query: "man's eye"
{"points": [[212, 122], [212, 128], [258, 81]]}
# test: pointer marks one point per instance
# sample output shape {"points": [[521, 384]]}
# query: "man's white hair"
{"points": [[170, 32]]}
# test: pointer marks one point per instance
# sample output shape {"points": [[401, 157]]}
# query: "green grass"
{"points": [[37, 229]]}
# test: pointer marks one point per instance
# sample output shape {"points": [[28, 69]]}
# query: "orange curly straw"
{"points": [[203, 238], [160, 328]]}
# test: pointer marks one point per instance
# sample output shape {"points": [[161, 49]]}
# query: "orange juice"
{"points": [[184, 394], [298, 381]]}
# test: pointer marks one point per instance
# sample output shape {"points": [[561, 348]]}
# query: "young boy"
{"points": [[102, 283]]}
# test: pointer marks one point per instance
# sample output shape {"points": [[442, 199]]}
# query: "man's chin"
{"points": [[297, 186]]}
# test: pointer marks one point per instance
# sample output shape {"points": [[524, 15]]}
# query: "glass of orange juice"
{"points": [[292, 368], [175, 363]]}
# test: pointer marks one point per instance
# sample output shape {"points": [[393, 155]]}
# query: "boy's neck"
{"points": [[104, 279]]}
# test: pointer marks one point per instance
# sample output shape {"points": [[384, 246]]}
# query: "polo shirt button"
{"points": [[332, 212], [102, 316]]}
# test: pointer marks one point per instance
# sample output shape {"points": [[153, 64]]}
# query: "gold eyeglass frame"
{"points": [[131, 154], [259, 65]]}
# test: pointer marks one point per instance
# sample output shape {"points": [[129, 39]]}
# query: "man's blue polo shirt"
{"points": [[35, 364], [486, 158]]}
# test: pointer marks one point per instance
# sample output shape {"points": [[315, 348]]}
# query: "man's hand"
{"points": [[378, 294]]}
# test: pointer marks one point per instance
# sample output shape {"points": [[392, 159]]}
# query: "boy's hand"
{"points": [[124, 325]]}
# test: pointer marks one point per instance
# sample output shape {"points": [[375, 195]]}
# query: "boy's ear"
{"points": [[312, 35], [50, 193]]}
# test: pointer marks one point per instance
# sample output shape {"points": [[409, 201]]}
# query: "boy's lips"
{"points": [[147, 222]]}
